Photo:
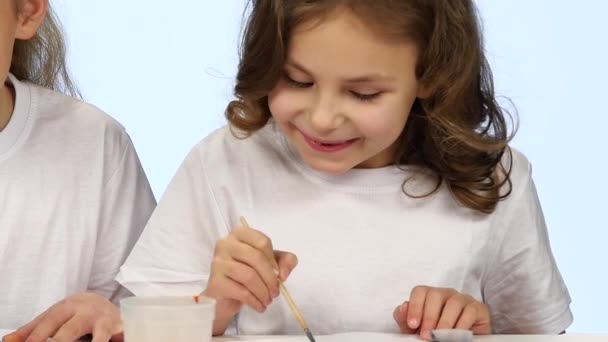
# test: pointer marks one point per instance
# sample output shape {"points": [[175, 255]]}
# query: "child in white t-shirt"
{"points": [[365, 140], [377, 155], [73, 195]]}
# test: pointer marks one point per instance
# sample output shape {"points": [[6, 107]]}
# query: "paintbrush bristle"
{"points": [[309, 334]]}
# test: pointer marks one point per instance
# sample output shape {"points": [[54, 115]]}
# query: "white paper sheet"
{"points": [[345, 337], [377, 337]]}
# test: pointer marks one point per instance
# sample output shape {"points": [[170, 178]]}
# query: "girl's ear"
{"points": [[30, 17]]}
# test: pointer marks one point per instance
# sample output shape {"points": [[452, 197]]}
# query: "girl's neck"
{"points": [[7, 103]]}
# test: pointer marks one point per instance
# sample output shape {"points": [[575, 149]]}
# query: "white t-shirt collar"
{"points": [[10, 135]]}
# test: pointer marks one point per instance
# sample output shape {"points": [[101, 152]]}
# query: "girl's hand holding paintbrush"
{"points": [[242, 273]]}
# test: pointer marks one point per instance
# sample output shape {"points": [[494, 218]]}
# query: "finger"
{"points": [[451, 312], [482, 325], [22, 333], [230, 289], [248, 278], [257, 240], [254, 258], [286, 262], [72, 330], [402, 312], [468, 317], [103, 331], [400, 316], [12, 337], [48, 324], [435, 300], [416, 306]]}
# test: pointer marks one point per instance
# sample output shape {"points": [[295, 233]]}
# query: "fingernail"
{"points": [[413, 323], [276, 271]]}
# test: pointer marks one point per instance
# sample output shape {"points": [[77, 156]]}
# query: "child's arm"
{"points": [[522, 284], [179, 254], [126, 205]]}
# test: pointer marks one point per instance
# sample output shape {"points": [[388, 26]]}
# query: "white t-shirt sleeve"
{"points": [[126, 206], [524, 289], [173, 255]]}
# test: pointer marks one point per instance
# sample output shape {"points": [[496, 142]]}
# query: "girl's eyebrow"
{"points": [[358, 79]]}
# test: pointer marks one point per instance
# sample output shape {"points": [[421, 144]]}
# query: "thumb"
{"points": [[400, 316], [286, 262]]}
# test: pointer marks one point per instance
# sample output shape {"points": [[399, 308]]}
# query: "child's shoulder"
{"points": [[53, 105], [520, 185], [519, 166], [82, 125]]}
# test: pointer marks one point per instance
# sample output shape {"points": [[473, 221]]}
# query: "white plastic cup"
{"points": [[163, 319]]}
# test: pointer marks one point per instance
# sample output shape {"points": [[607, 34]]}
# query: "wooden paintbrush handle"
{"points": [[292, 306]]}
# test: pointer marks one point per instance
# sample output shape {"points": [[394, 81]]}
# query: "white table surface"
{"points": [[374, 337]]}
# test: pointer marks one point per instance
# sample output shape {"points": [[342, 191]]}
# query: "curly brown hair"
{"points": [[41, 60], [460, 133]]}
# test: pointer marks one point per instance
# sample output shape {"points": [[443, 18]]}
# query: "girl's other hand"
{"points": [[431, 308]]}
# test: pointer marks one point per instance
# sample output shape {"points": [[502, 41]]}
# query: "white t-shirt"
{"points": [[74, 200], [362, 244]]}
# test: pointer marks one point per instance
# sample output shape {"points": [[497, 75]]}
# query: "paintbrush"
{"points": [[290, 302]]}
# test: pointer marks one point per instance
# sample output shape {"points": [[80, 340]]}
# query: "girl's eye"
{"points": [[301, 85], [293, 83], [365, 97]]}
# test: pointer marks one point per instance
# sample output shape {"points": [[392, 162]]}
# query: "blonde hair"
{"points": [[42, 59]]}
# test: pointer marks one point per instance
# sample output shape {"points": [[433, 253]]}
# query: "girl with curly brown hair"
{"points": [[365, 139]]}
